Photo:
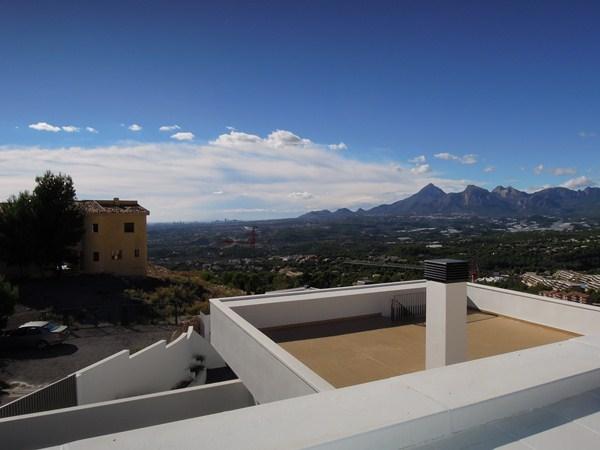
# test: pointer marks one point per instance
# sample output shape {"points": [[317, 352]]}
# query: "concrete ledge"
{"points": [[394, 413], [569, 316], [81, 422], [414, 283]]}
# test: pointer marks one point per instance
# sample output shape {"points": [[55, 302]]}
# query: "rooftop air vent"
{"points": [[446, 270]]}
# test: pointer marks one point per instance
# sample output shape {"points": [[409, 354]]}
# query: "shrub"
{"points": [[9, 295]]}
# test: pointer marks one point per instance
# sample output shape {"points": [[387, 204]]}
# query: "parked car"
{"points": [[39, 334]]}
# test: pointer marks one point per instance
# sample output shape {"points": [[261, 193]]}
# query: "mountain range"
{"points": [[500, 202]]}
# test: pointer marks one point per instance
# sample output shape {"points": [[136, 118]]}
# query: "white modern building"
{"points": [[435, 363]]}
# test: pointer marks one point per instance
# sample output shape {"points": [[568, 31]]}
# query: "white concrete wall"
{"points": [[321, 305], [272, 374], [343, 289], [81, 422], [569, 316], [269, 372], [156, 368]]}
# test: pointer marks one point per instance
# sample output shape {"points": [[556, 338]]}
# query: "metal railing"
{"points": [[60, 394], [408, 307]]}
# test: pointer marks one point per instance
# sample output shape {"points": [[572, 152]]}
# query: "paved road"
{"points": [[30, 369]]}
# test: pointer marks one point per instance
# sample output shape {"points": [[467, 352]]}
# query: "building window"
{"points": [[128, 227], [95, 227], [136, 253], [96, 256], [117, 255]]}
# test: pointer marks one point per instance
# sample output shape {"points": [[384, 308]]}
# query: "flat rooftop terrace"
{"points": [[361, 349]]}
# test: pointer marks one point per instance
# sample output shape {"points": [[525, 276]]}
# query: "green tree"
{"points": [[595, 296], [41, 228], [169, 301], [18, 231], [8, 297], [59, 220]]}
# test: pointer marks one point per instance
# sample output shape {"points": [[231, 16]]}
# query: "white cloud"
{"points": [[237, 139], [70, 129], [421, 159], [218, 192], [183, 136], [176, 181], [469, 158], [587, 134], [445, 155], [561, 171], [301, 195], [134, 127], [277, 139], [91, 130], [557, 171], [579, 182], [44, 126], [489, 169], [230, 128], [169, 128], [537, 170], [283, 138], [340, 146], [420, 169]]}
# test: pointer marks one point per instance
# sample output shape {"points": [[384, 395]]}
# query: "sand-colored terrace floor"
{"points": [[354, 351]]}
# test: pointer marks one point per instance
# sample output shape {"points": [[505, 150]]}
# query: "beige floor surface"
{"points": [[365, 349]]}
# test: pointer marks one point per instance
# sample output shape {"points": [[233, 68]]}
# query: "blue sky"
{"points": [[502, 93]]}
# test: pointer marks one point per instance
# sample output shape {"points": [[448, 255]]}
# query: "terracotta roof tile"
{"points": [[115, 206]]}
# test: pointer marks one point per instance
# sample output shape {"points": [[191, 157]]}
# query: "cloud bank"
{"points": [[236, 175]]}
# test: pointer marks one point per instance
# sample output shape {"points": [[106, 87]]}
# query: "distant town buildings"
{"points": [[572, 296], [564, 285], [532, 279], [115, 239], [591, 281]]}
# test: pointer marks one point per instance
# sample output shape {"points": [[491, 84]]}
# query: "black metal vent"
{"points": [[447, 270]]}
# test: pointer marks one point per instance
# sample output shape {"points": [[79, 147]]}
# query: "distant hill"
{"points": [[500, 202]]}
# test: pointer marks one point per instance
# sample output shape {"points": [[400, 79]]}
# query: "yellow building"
{"points": [[115, 239]]}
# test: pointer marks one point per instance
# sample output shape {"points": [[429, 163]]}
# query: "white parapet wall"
{"points": [[81, 422], [569, 316], [156, 368], [326, 304], [269, 372]]}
